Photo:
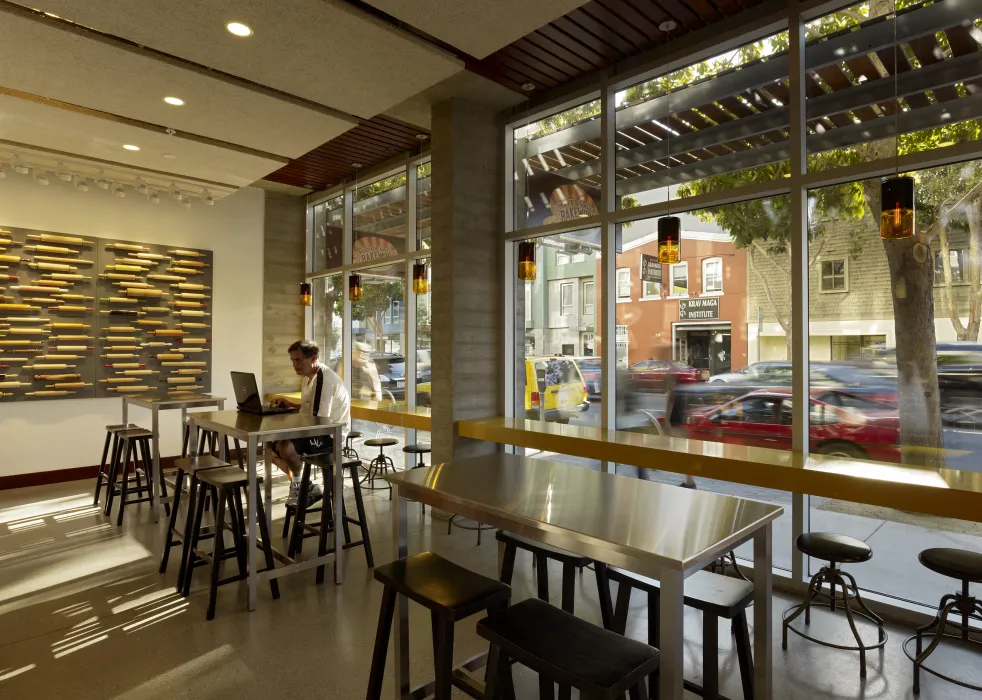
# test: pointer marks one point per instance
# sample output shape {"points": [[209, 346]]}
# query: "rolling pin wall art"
{"points": [[79, 314]]}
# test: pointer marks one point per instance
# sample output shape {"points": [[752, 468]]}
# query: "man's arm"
{"points": [[284, 402]]}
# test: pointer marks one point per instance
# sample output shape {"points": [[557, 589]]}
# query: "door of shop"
{"points": [[703, 346]]}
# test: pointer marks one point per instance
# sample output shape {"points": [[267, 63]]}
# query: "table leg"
{"points": [[268, 488], [252, 448], [401, 617], [763, 634], [126, 411], [338, 508], [158, 475], [671, 613]]}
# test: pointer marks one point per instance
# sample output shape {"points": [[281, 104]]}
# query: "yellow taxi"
{"points": [[554, 389]]}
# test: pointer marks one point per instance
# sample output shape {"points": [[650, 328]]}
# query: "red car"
{"points": [[662, 375], [840, 424]]}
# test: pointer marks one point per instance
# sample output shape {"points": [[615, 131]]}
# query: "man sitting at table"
{"points": [[323, 394]]}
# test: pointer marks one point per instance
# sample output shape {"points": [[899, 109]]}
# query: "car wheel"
{"points": [[842, 449]]}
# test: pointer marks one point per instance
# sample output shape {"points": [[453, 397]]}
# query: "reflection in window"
{"points": [[712, 275], [424, 185], [956, 262], [328, 319], [328, 234], [557, 162], [379, 219], [588, 300], [624, 284], [378, 365]]}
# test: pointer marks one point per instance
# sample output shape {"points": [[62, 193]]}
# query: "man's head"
{"points": [[303, 355]]}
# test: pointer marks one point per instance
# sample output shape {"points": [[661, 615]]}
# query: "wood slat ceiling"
{"points": [[594, 36], [372, 141], [598, 35]]}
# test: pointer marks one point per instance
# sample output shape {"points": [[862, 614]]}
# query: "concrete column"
{"points": [[468, 318]]}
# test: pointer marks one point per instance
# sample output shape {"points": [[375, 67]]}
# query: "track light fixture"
{"points": [[64, 175], [3, 173], [102, 183], [154, 198], [42, 179], [20, 168], [119, 192], [209, 200], [142, 188], [81, 184]]}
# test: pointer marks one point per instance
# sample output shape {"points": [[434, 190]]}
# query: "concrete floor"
{"points": [[84, 614]]}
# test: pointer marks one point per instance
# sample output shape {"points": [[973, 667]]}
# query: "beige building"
{"points": [[850, 306]]}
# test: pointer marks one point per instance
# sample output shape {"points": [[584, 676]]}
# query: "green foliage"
{"points": [[380, 186], [564, 120], [376, 299]]}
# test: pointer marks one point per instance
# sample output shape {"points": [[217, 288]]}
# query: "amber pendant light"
{"points": [[526, 261], [897, 213], [421, 285], [305, 297], [355, 292], [669, 240]]}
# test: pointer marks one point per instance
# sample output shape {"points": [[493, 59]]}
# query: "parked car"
{"points": [[840, 423], [663, 375], [554, 389], [829, 374], [590, 371], [391, 373]]}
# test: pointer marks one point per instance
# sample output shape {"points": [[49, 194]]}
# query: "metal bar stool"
{"points": [[381, 464], [965, 566], [349, 452], [835, 549]]}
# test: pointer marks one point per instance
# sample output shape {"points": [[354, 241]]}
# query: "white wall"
{"points": [[47, 435]]}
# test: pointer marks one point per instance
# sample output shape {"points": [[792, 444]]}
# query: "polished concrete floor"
{"points": [[85, 615]]}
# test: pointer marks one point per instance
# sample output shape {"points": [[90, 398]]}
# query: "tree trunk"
{"points": [[783, 321], [912, 290]]}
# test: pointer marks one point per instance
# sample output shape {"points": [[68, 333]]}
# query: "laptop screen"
{"points": [[246, 390]]}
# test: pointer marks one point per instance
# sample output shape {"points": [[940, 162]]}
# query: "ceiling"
{"points": [[317, 86]]}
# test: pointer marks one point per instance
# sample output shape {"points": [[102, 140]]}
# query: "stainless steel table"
{"points": [[252, 429], [665, 532], [157, 402]]}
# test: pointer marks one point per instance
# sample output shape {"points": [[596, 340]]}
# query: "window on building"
{"points": [[957, 257], [624, 284], [651, 290], [528, 305], [566, 298], [620, 342], [562, 258], [712, 276], [679, 279], [579, 257], [834, 276], [589, 300]]}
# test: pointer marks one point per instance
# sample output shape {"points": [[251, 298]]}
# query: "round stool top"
{"points": [[832, 547], [381, 442], [354, 434], [417, 449], [956, 563]]}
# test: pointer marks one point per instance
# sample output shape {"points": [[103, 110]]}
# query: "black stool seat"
{"points": [[832, 547], [722, 596], [226, 477], [134, 433], [439, 584], [954, 563], [381, 442], [534, 546], [417, 449], [569, 650], [121, 426], [354, 434], [192, 465]]}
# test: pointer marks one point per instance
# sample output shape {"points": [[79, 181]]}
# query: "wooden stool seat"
{"points": [[565, 649], [354, 434], [451, 593], [226, 477], [721, 596], [439, 584], [105, 464]]}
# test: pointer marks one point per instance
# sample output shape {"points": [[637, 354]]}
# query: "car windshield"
{"points": [[681, 365]]}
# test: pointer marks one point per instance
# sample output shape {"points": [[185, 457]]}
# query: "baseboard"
{"points": [[58, 476]]}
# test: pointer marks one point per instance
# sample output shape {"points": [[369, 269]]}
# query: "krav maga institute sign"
{"points": [[650, 268], [699, 309]]}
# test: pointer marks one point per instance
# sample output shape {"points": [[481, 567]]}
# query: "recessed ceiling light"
{"points": [[170, 156], [239, 29], [422, 137], [667, 26], [176, 101], [356, 165], [131, 147]]}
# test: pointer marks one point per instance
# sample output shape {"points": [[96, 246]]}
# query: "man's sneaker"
{"points": [[291, 500], [314, 492]]}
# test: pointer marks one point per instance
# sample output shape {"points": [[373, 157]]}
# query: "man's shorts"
{"points": [[311, 445]]}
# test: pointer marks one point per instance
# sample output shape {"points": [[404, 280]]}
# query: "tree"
{"points": [[377, 299]]}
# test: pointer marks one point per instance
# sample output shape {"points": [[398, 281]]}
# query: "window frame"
{"points": [[563, 288], [845, 276], [712, 292], [671, 280], [962, 254], [621, 299], [593, 294]]}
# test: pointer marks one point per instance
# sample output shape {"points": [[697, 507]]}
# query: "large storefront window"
{"points": [[328, 320], [711, 126], [559, 378], [378, 333], [328, 234], [424, 184], [557, 167], [683, 331], [908, 391]]}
